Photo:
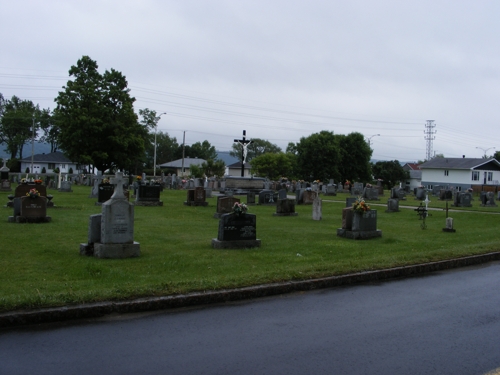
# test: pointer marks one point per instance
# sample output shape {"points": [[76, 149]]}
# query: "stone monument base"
{"points": [[359, 234], [239, 244], [111, 250], [488, 205], [23, 219], [286, 214], [148, 203], [449, 230], [193, 203], [392, 210]]}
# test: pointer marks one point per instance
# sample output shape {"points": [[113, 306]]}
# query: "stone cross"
{"points": [[118, 182]]}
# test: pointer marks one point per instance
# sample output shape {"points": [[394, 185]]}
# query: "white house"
{"points": [[235, 169], [461, 173], [180, 167], [49, 161], [415, 173]]}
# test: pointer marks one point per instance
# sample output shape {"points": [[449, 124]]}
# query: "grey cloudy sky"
{"points": [[280, 70]]}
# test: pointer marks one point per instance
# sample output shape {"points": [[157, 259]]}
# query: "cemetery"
{"points": [[183, 248]]}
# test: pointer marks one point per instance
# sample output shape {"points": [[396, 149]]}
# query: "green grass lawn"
{"points": [[40, 265]]}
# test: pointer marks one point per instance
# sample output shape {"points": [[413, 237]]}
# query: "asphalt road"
{"points": [[443, 323]]}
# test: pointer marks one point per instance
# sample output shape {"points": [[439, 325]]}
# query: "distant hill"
{"points": [[228, 159], [40, 148]]}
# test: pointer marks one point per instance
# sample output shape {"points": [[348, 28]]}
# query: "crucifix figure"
{"points": [[244, 151]]}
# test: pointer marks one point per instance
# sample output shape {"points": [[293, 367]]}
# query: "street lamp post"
{"points": [[485, 150], [370, 139], [156, 130]]}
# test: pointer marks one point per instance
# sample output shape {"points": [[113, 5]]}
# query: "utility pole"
{"points": [[429, 137], [32, 143], [156, 131], [183, 148]]}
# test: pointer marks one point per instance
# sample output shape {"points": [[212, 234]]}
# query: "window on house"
{"points": [[490, 176], [446, 172], [52, 165], [429, 187], [475, 175]]}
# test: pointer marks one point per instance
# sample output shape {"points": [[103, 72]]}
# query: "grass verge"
{"points": [[41, 266]]}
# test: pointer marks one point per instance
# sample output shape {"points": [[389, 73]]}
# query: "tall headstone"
{"points": [[317, 209], [4, 178], [114, 237]]}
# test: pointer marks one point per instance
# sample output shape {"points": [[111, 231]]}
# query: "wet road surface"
{"points": [[442, 323]]}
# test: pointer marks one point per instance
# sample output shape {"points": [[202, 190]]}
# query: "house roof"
{"points": [[458, 163], [238, 165], [52, 157], [178, 163], [412, 166], [415, 174]]}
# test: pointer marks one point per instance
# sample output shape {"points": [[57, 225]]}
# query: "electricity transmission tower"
{"points": [[429, 137]]}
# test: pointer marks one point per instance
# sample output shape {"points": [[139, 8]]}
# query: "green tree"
{"points": [[256, 148], [17, 122], [196, 171], [496, 155], [166, 148], [273, 166], [96, 118], [48, 123], [318, 157], [201, 150], [213, 168], [391, 172], [355, 155]]}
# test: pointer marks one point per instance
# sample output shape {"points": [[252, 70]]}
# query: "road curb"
{"points": [[93, 310]]}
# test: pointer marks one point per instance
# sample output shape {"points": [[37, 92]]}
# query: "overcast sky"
{"points": [[280, 70]]}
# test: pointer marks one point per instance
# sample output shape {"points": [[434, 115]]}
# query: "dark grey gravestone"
{"points": [[148, 195], [225, 205], [420, 194], [392, 205], [309, 196], [330, 190], [104, 193], [282, 194], [33, 210], [299, 196], [65, 187], [364, 226], [236, 232], [251, 197], [267, 197], [349, 201], [285, 207]]}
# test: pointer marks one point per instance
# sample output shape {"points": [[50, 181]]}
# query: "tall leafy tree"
{"points": [[213, 168], [256, 148], [97, 121], [48, 123], [391, 172], [273, 166], [201, 150], [355, 155], [318, 157], [20, 119]]}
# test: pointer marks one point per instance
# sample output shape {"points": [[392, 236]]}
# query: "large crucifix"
{"points": [[244, 150]]}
